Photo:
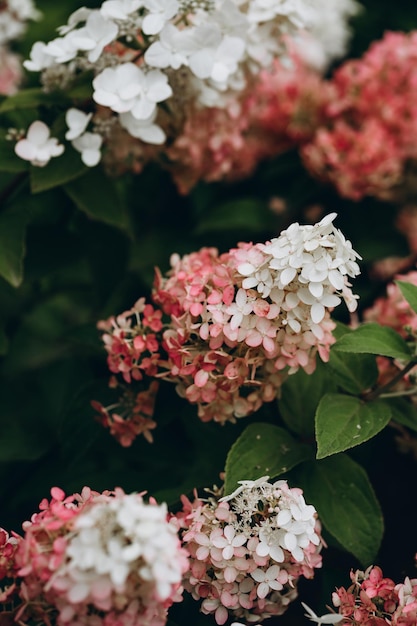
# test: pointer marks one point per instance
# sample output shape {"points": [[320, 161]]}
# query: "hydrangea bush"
{"points": [[188, 192]]}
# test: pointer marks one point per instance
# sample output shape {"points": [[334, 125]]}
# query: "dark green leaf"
{"points": [[9, 161], [409, 292], [343, 422], [372, 338], [262, 449], [31, 99], [353, 372], [58, 171], [246, 213], [300, 396], [12, 244], [341, 491], [96, 195], [403, 411]]}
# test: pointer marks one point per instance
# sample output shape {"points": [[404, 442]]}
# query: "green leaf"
{"points": [[300, 396], [353, 372], [341, 491], [372, 338], [96, 195], [403, 411], [58, 171], [31, 99], [12, 244], [246, 213], [409, 292], [262, 449], [343, 422], [9, 161]]}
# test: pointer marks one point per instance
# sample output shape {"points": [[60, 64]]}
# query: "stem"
{"points": [[376, 393], [399, 394], [11, 187]]}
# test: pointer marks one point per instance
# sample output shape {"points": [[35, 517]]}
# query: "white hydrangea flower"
{"points": [[160, 12], [119, 9], [77, 17], [13, 17], [172, 49], [144, 129], [77, 121], [115, 539], [38, 146], [88, 144], [97, 33], [39, 59], [127, 88], [217, 60]]}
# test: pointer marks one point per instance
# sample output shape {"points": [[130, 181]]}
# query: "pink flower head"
{"points": [[109, 555]]}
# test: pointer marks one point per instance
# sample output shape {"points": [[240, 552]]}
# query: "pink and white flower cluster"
{"points": [[240, 322], [373, 600], [249, 549], [94, 559], [14, 15], [280, 111], [153, 60], [367, 145]]}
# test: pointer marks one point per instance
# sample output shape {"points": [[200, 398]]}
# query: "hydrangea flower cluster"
{"points": [[367, 145], [157, 61], [249, 549], [94, 559], [280, 112], [14, 14], [374, 600], [393, 310], [240, 322]]}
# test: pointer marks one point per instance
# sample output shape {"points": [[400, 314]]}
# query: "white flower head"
{"points": [[120, 9], [39, 59], [88, 144], [146, 129], [38, 146], [77, 122], [127, 88], [117, 537], [160, 12]]}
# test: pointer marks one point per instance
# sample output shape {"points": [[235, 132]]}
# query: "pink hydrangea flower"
{"points": [[108, 558], [368, 137], [237, 324], [228, 572], [11, 73]]}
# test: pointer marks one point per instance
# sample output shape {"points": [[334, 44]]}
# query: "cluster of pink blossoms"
{"points": [[373, 600], [367, 145], [94, 559], [278, 112], [393, 310], [238, 323], [248, 550]]}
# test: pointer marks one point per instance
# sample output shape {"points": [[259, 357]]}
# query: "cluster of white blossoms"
{"points": [[303, 272], [13, 17], [327, 38], [110, 559], [248, 550], [149, 57]]}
